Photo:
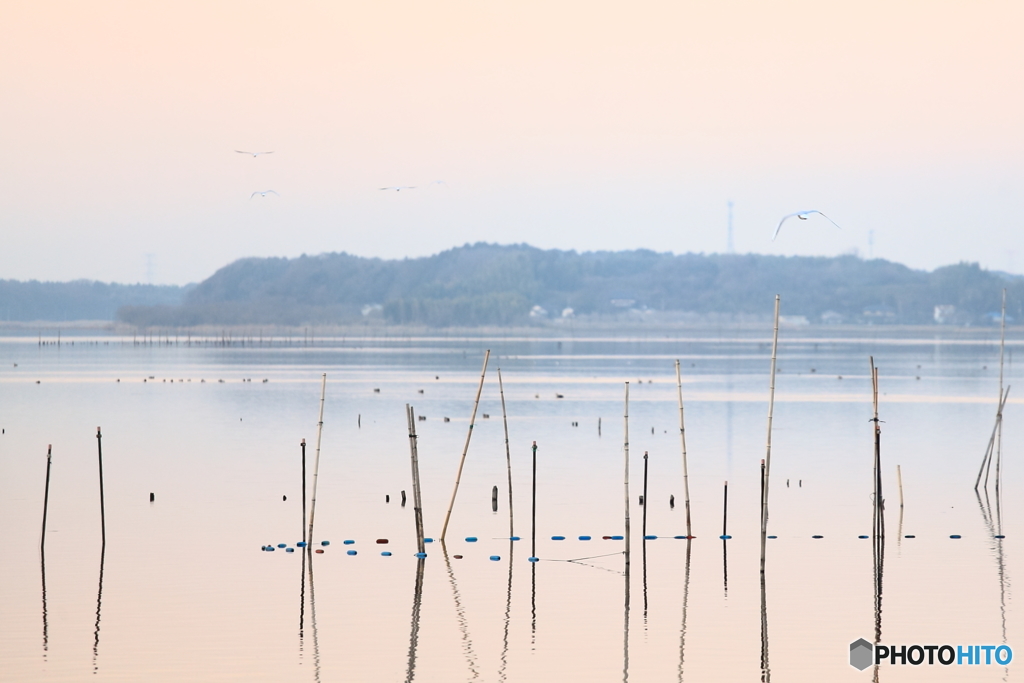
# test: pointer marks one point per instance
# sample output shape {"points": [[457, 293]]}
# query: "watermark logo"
{"points": [[863, 654]]}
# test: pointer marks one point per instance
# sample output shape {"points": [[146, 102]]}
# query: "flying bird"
{"points": [[802, 215], [264, 193], [399, 188], [254, 154]]}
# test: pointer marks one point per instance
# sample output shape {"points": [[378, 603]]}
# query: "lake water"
{"points": [[184, 591]]}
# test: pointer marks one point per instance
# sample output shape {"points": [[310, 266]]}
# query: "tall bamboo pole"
{"points": [[465, 449], [508, 454], [316, 461], [625, 477], [999, 417], [417, 504], [768, 453], [103, 513], [46, 497], [682, 439]]}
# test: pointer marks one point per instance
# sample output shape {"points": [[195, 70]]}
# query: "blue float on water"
{"points": [[386, 553], [495, 558], [470, 539], [617, 538], [348, 542], [955, 536], [270, 548], [515, 538], [816, 536], [862, 537], [352, 552], [301, 544], [584, 538], [534, 559], [289, 550], [421, 555], [650, 538], [428, 540], [997, 536], [913, 536], [282, 545], [325, 542], [679, 537], [773, 537], [558, 538], [725, 537]]}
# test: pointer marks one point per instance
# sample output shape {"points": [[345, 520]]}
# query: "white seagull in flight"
{"points": [[254, 154], [399, 188], [264, 193], [802, 215]]}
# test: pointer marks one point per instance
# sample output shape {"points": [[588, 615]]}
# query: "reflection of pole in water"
{"points": [[460, 613], [46, 625], [625, 624], [644, 543], [508, 614], [312, 618], [42, 550], [99, 605], [766, 671], [417, 599], [644, 572], [302, 600], [993, 523], [686, 595], [533, 605], [878, 553], [533, 554]]}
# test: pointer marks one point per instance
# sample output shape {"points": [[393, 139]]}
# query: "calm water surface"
{"points": [[183, 591]]}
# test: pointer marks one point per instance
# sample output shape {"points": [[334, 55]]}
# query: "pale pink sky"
{"points": [[575, 125]]}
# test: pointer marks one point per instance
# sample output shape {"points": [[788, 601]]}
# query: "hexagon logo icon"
{"points": [[861, 654]]}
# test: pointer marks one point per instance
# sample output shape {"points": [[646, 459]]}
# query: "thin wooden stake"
{"points": [[682, 439], [304, 539], [316, 460], [533, 518], [899, 482], [46, 497], [465, 449], [768, 454], [103, 514], [725, 509], [625, 477], [508, 454], [417, 503]]}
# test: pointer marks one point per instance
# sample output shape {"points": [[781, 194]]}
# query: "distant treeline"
{"points": [[484, 284], [79, 300]]}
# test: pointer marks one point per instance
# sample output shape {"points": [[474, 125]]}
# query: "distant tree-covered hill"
{"points": [[79, 300], [485, 284]]}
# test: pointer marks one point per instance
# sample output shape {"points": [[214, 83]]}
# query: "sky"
{"points": [[570, 125]]}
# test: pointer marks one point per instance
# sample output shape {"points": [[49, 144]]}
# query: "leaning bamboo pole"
{"points": [[465, 449], [508, 455], [768, 453], [417, 504], [316, 462], [682, 439]]}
